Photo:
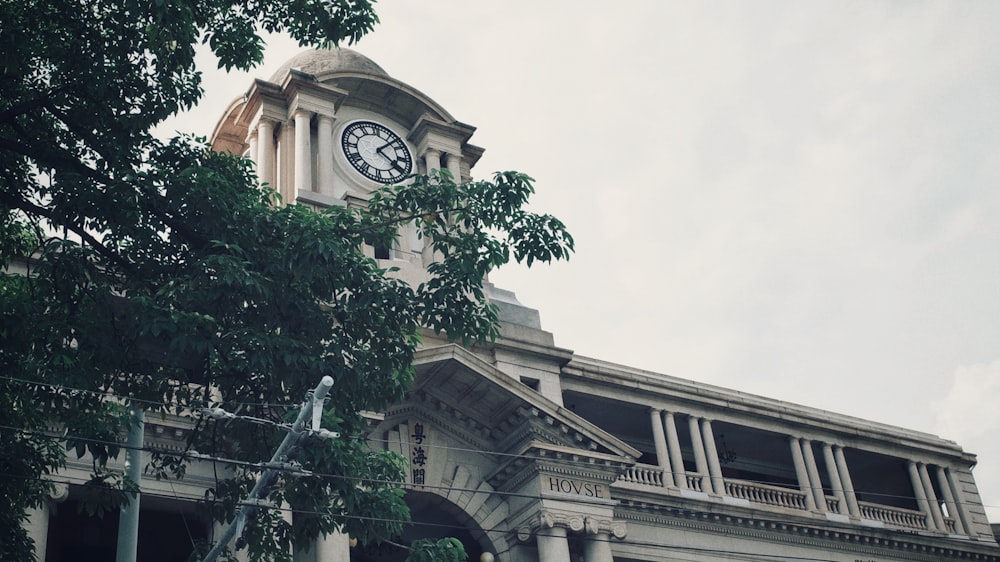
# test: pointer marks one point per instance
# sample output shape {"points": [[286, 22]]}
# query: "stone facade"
{"points": [[530, 453]]}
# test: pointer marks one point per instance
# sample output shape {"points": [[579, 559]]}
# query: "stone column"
{"points": [[253, 153], [674, 447], [552, 544], [596, 548], [335, 547], [800, 472], [962, 510], [932, 500], [835, 481], [949, 500], [920, 494], [700, 463], [815, 482], [714, 468], [38, 519], [303, 152], [432, 160], [845, 477], [38, 528], [324, 154], [454, 163], [265, 155], [660, 442]]}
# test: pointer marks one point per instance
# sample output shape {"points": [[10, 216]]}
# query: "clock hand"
{"points": [[381, 148]]}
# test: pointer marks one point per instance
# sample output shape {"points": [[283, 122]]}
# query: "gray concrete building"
{"points": [[528, 452]]}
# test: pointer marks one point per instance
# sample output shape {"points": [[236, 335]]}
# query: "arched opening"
{"points": [[432, 517]]}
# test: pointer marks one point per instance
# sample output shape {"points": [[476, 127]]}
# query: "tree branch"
{"points": [[26, 106], [100, 248]]}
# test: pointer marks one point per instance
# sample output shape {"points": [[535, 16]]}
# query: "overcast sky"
{"points": [[795, 199]]}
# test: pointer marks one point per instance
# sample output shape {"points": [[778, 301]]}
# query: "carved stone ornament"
{"points": [[572, 522]]}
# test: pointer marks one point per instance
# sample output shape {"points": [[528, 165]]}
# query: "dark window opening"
{"points": [[165, 534]]}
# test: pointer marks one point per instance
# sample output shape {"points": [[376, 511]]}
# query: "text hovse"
{"points": [[576, 487]]}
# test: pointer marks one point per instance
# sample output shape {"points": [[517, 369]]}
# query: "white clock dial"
{"points": [[375, 151]]}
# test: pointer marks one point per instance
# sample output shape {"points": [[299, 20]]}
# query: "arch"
{"points": [[432, 516]]}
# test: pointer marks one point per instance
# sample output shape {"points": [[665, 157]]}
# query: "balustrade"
{"points": [[651, 476], [695, 481], [832, 504], [765, 494], [895, 516], [644, 475]]}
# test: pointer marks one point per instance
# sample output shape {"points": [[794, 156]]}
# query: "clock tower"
{"points": [[330, 126]]}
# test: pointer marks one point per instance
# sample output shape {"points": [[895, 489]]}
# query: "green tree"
{"points": [[163, 274]]}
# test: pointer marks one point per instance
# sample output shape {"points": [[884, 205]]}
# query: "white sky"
{"points": [[794, 199]]}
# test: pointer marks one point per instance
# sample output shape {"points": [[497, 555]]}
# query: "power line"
{"points": [[196, 456], [627, 541], [114, 396]]}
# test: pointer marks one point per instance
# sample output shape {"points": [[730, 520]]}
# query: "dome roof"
{"points": [[324, 61]]}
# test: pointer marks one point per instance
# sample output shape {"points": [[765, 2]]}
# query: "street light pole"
{"points": [[280, 456], [128, 519]]}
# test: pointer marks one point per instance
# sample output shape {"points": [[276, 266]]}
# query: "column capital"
{"points": [[594, 526], [59, 492], [266, 121], [302, 113], [571, 522]]}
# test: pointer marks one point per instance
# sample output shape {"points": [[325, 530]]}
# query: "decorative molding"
{"points": [[575, 522], [839, 538]]}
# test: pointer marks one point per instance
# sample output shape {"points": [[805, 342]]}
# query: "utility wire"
{"points": [[196, 456], [627, 541], [114, 396]]}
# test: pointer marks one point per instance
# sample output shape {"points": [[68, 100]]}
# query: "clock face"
{"points": [[375, 151]]}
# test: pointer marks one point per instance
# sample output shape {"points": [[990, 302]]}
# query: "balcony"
{"points": [[650, 478]]}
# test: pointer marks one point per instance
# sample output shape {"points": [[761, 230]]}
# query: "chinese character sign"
{"points": [[419, 451]]}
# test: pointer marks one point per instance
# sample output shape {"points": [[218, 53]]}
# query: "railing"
{"points": [[764, 494], [644, 475], [653, 476], [696, 481], [832, 504], [895, 516]]}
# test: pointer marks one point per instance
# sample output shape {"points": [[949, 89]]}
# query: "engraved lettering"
{"points": [[576, 487]]}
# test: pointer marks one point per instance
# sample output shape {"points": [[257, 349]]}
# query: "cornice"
{"points": [[684, 396], [901, 545]]}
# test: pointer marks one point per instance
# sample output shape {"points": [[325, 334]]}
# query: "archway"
{"points": [[432, 517]]}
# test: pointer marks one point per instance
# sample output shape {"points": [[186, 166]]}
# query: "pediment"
{"points": [[491, 411]]}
